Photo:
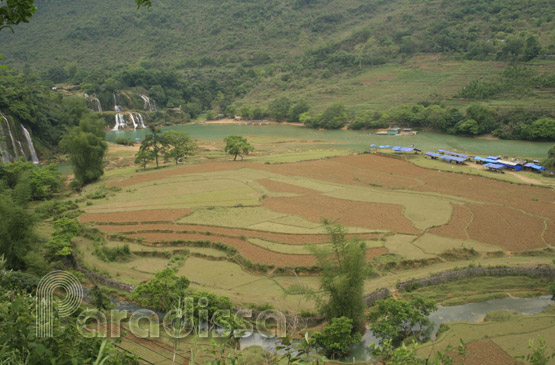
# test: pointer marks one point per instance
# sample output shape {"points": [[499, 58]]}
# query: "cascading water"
{"points": [[117, 108], [21, 148], [120, 122], [141, 120], [34, 157], [133, 120], [16, 154], [150, 104], [98, 105], [4, 148]]}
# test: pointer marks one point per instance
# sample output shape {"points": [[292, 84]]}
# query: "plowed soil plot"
{"points": [[373, 252], [484, 352], [252, 252], [356, 170], [359, 214], [506, 227], [295, 239], [456, 227], [535, 200], [162, 174], [153, 215], [280, 187]]}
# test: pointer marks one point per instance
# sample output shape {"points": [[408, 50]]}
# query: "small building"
{"points": [[495, 167], [513, 165], [432, 155], [382, 133], [534, 167], [393, 131], [454, 159], [407, 130]]}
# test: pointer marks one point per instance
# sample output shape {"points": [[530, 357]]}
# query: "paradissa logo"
{"points": [[179, 322]]}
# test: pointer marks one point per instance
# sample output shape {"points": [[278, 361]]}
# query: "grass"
{"points": [[436, 245], [300, 156], [511, 335], [401, 245], [480, 289]]}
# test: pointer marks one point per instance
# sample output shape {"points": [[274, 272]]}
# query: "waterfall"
{"points": [[141, 120], [34, 157], [99, 106], [150, 104], [14, 147], [6, 155], [133, 120], [120, 122], [117, 108], [21, 148]]}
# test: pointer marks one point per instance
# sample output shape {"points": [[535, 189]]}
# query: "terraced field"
{"points": [[248, 225]]}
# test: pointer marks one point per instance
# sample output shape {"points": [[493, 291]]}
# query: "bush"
{"points": [[337, 338], [125, 141]]}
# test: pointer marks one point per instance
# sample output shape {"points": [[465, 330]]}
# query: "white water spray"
{"points": [[117, 108], [141, 120], [34, 157], [14, 147], [133, 120], [149, 104]]}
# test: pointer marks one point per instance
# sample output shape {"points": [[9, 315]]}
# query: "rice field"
{"points": [[247, 225]]}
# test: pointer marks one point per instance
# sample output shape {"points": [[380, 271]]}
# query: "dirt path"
{"points": [[524, 178]]}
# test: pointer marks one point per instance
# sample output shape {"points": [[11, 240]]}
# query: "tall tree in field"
{"points": [[151, 146], [86, 147], [178, 146], [344, 270], [237, 145]]}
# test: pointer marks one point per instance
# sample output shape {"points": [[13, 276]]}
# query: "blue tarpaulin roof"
{"points": [[403, 149], [534, 166], [381, 147], [432, 154], [372, 145], [493, 158], [495, 166], [453, 153], [478, 158], [453, 158]]}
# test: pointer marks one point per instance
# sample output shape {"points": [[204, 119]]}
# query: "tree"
{"points": [[60, 244], [177, 146], [235, 145], [337, 338], [296, 110], [397, 320], [151, 147], [279, 108], [15, 12], [532, 48], [342, 278], [16, 233], [86, 148], [99, 299], [469, 126], [334, 117], [162, 291], [143, 157]]}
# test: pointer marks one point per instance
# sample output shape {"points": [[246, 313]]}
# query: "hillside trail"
{"points": [[524, 178]]}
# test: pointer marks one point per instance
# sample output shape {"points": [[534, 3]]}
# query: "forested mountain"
{"points": [[379, 58], [322, 32]]}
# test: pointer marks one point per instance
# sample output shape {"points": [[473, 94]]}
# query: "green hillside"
{"points": [[378, 58], [318, 32]]}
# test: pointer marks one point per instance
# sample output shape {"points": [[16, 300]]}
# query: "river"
{"points": [[354, 140]]}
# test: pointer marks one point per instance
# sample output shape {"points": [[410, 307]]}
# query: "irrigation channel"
{"points": [[471, 312], [353, 140]]}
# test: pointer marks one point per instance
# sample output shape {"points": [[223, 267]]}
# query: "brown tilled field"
{"points": [[456, 228], [359, 214], [510, 216], [505, 227], [484, 352]]}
